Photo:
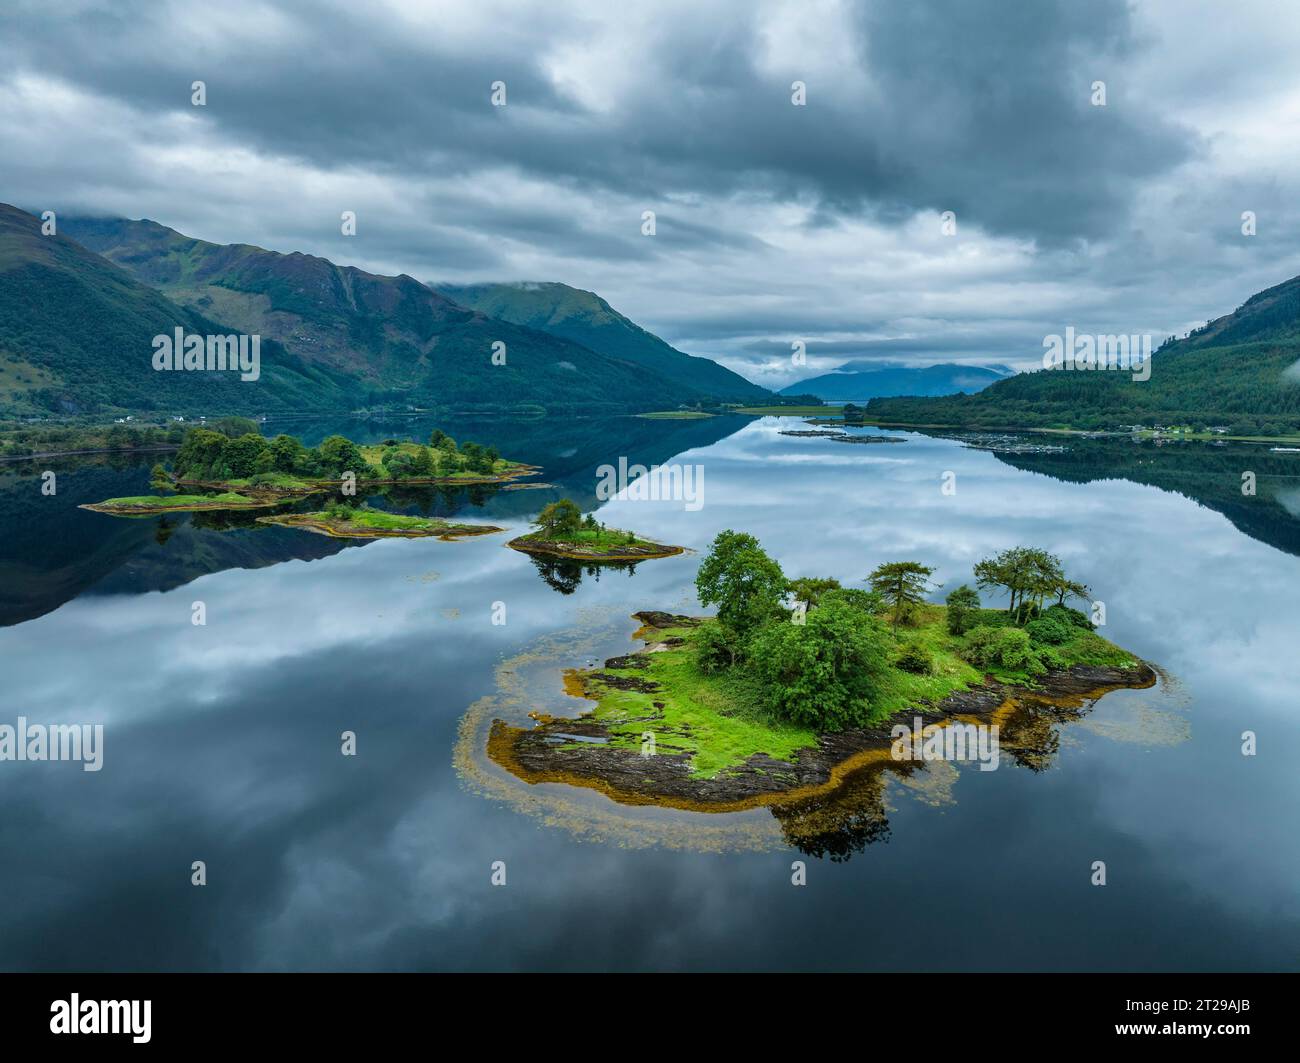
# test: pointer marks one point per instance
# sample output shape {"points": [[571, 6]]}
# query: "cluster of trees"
{"points": [[818, 651], [822, 672], [234, 449], [1022, 638], [1030, 576], [206, 454], [468, 457]]}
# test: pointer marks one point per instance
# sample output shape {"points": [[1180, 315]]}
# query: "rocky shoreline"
{"points": [[575, 750]]}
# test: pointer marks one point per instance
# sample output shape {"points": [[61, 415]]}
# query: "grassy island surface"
{"points": [[562, 531], [793, 678], [144, 505], [362, 522], [719, 719]]}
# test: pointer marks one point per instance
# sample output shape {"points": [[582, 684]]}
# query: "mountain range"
{"points": [[859, 380], [78, 312], [1240, 371]]}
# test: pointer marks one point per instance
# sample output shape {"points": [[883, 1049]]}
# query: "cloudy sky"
{"points": [[774, 222]]}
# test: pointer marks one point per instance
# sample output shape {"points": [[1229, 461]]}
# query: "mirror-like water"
{"points": [[222, 742]]}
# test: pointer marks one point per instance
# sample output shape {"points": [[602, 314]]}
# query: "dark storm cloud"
{"points": [[980, 107]]}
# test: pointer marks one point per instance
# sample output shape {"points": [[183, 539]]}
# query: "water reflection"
{"points": [[51, 552], [222, 742], [565, 575], [835, 819]]}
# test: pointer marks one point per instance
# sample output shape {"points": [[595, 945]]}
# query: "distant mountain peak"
{"points": [[864, 379]]}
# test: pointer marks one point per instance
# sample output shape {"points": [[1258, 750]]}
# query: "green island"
{"points": [[239, 468], [794, 681], [346, 521], [562, 531], [147, 505]]}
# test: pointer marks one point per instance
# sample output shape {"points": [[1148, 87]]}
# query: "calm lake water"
{"points": [[222, 742]]}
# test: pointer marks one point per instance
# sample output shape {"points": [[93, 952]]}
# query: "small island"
{"points": [[796, 682], [148, 505], [345, 521], [562, 531], [840, 437]]}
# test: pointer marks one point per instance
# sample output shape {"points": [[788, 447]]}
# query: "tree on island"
{"points": [[1068, 588], [821, 673], [201, 455], [559, 519], [963, 609], [902, 585], [810, 589], [422, 463], [287, 453], [241, 455], [159, 480], [339, 455], [742, 580]]}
